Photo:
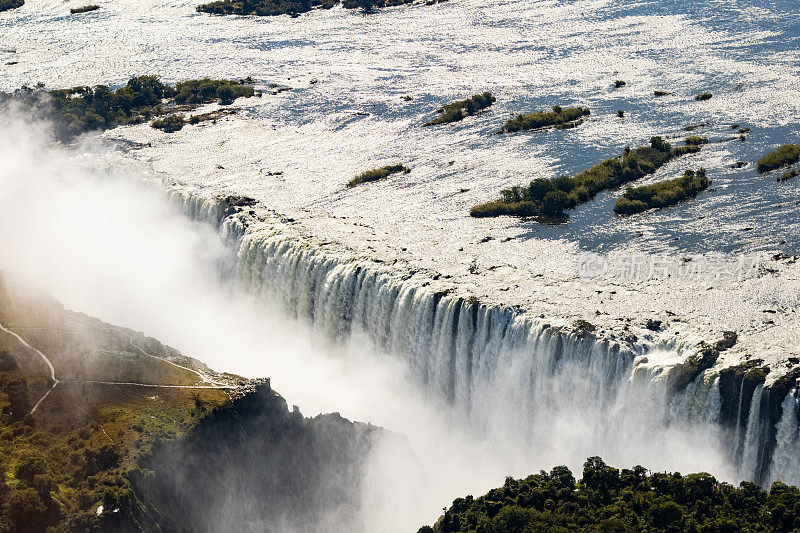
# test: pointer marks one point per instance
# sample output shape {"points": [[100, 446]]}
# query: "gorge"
{"points": [[432, 354]]}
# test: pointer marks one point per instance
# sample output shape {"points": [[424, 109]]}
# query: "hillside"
{"points": [[75, 437]]}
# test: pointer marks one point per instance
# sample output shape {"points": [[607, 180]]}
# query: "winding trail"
{"points": [[141, 351], [212, 384], [44, 358]]}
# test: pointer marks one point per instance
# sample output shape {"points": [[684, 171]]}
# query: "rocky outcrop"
{"points": [[254, 465]]}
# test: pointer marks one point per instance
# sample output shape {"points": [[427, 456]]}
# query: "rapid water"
{"points": [[531, 54]]}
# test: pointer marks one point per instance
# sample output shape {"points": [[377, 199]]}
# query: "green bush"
{"points": [[377, 174], [206, 90], [462, 108], [84, 9], [170, 123], [788, 154], [662, 194], [789, 174], [551, 197], [612, 500], [696, 140], [542, 119], [5, 5]]}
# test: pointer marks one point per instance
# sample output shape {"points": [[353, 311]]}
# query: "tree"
{"points": [[226, 95], [25, 511], [366, 6], [539, 188], [553, 203]]}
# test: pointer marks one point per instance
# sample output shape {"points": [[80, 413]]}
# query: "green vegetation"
{"points": [[293, 8], [786, 155], [81, 109], [378, 174], [170, 123], [693, 144], [205, 90], [696, 140], [462, 108], [627, 500], [789, 174], [84, 9], [5, 5], [558, 117], [662, 194], [703, 96], [549, 198]]}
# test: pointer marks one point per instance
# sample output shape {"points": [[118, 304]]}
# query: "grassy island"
{"points": [[266, 8], [81, 109], [627, 500], [786, 155], [459, 109], [377, 174], [559, 118], [6, 5], [662, 194], [84, 9], [549, 198]]}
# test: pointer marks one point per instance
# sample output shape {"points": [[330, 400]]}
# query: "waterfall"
{"points": [[751, 438], [506, 372], [785, 461]]}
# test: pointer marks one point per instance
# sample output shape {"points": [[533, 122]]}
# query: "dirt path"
{"points": [[138, 349], [44, 358], [212, 384]]}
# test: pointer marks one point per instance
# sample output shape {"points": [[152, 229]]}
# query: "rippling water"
{"points": [[530, 54]]}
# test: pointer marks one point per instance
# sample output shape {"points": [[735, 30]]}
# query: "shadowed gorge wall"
{"points": [[254, 465]]}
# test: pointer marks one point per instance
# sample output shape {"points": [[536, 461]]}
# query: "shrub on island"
{"points": [[459, 109], [786, 155], [206, 90], [377, 174], [607, 499], [559, 117], [692, 145], [6, 5], [550, 197], [84, 9], [662, 194], [789, 174], [170, 123]]}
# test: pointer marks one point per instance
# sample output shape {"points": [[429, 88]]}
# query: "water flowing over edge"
{"points": [[460, 350]]}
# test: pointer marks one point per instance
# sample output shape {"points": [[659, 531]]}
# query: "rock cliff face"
{"points": [[253, 465]]}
